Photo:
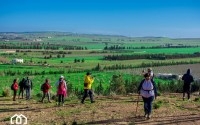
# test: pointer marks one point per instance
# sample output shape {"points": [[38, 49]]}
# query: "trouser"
{"points": [[14, 94], [21, 91], [148, 104], [86, 93], [44, 95], [186, 89], [60, 98], [28, 93]]}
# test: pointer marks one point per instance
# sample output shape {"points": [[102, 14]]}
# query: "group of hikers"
{"points": [[26, 85], [147, 89]]}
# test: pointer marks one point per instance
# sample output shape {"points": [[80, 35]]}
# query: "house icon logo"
{"points": [[18, 119]]}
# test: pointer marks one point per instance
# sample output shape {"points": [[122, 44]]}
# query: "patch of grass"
{"points": [[157, 104], [6, 119], [197, 99]]}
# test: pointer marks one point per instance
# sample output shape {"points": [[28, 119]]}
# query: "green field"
{"points": [[42, 63]]}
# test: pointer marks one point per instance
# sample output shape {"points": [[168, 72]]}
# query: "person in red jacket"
{"points": [[45, 89], [14, 87]]}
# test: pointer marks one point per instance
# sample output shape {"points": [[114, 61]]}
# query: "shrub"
{"points": [[197, 99], [6, 92], [157, 104]]}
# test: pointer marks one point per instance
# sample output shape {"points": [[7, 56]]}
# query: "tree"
{"points": [[118, 84]]}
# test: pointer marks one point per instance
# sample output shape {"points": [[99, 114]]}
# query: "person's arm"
{"points": [[140, 86], [155, 89]]}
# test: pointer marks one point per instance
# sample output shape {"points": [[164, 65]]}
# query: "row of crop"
{"points": [[151, 56]]}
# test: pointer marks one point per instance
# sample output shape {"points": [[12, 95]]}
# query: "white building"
{"points": [[17, 61]]}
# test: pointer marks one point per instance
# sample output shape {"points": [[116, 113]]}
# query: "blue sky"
{"points": [[136, 18]]}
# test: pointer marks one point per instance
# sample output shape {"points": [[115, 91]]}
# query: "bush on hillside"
{"points": [[6, 92]]}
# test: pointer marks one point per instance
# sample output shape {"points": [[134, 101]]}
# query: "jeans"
{"points": [[148, 104], [48, 96], [86, 93], [28, 93]]}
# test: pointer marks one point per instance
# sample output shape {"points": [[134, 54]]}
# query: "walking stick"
{"points": [[137, 105]]}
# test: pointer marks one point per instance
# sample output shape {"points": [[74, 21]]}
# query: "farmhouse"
{"points": [[17, 61]]}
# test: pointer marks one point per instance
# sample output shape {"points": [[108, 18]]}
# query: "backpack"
{"points": [[28, 83], [61, 85], [147, 89], [12, 87]]}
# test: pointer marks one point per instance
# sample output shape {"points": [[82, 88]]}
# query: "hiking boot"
{"points": [[145, 115], [49, 101], [149, 116], [183, 98], [92, 101]]}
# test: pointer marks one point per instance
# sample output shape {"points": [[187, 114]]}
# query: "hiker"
{"points": [[14, 87], [150, 71], [45, 89], [148, 91], [21, 88], [61, 90], [188, 79], [88, 80], [28, 87]]}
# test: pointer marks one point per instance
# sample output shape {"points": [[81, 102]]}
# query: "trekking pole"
{"points": [[137, 105]]}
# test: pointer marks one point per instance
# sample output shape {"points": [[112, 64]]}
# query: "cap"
{"points": [[61, 76]]}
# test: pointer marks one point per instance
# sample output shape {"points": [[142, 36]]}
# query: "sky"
{"points": [[134, 18]]}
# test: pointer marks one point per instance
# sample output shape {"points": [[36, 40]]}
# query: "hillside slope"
{"points": [[106, 110]]}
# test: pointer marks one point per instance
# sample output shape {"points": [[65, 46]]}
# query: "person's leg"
{"points": [[22, 93], [59, 99], [189, 91], [14, 95], [145, 106], [85, 95], [149, 104], [26, 93], [48, 95], [63, 100], [91, 96], [43, 97]]}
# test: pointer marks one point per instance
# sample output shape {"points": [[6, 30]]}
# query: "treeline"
{"points": [[119, 47], [148, 64], [36, 45], [151, 56], [32, 72]]}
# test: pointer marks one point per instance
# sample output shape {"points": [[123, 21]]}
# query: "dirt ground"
{"points": [[112, 110]]}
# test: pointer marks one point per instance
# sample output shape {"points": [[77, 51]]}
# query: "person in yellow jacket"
{"points": [[88, 80]]}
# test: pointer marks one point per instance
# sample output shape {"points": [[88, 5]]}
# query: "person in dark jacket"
{"points": [[147, 89], [188, 79], [21, 88], [28, 87], [45, 89]]}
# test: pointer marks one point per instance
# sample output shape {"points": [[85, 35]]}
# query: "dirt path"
{"points": [[106, 110]]}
